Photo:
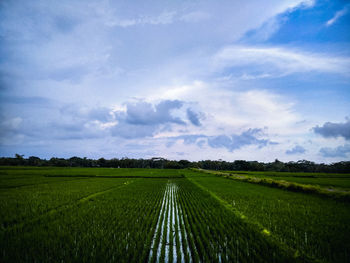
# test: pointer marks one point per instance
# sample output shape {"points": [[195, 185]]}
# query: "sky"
{"points": [[201, 79]]}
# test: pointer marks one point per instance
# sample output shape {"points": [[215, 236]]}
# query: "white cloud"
{"points": [[195, 16], [337, 15], [307, 3], [272, 25], [78, 63], [162, 19], [246, 76], [267, 29], [279, 61], [111, 53], [232, 111]]}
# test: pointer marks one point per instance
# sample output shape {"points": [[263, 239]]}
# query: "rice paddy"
{"points": [[155, 215]]}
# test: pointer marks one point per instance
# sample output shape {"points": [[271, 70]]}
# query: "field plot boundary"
{"points": [[230, 207], [48, 182], [64, 207], [118, 176], [256, 225], [335, 193], [291, 174]]}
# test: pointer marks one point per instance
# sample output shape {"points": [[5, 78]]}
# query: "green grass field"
{"points": [[153, 215], [322, 179], [15, 172]]}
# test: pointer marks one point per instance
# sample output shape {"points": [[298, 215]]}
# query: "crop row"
{"points": [[193, 227], [311, 225], [118, 220], [170, 240], [217, 235], [289, 185], [116, 226], [24, 203]]}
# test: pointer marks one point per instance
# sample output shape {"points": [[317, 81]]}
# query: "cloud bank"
{"points": [[178, 79], [142, 119], [334, 130], [234, 142], [340, 151]]}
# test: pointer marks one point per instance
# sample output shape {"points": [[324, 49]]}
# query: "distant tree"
{"points": [[19, 160], [34, 161], [19, 156], [60, 162], [184, 163], [101, 162], [158, 162]]}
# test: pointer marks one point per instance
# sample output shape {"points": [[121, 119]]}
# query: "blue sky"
{"points": [[253, 80]]}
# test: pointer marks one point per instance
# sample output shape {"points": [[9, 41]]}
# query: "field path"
{"points": [[65, 206], [168, 240]]}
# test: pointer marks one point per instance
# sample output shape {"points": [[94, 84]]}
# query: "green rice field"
{"points": [[322, 179], [50, 214]]}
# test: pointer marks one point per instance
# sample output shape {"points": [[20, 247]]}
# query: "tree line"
{"points": [[161, 163]]}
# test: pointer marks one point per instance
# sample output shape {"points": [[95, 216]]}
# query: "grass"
{"points": [[26, 203], [291, 174], [17, 171], [341, 181], [310, 224], [140, 215], [107, 227], [218, 234], [339, 193]]}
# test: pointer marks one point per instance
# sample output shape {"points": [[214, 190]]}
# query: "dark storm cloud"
{"points": [[331, 129]]}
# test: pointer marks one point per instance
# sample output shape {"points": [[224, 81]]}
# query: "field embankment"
{"points": [[288, 183]]}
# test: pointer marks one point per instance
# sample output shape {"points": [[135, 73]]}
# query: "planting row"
{"points": [[193, 219], [311, 225], [118, 220], [194, 227], [28, 202], [116, 226], [215, 234]]}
